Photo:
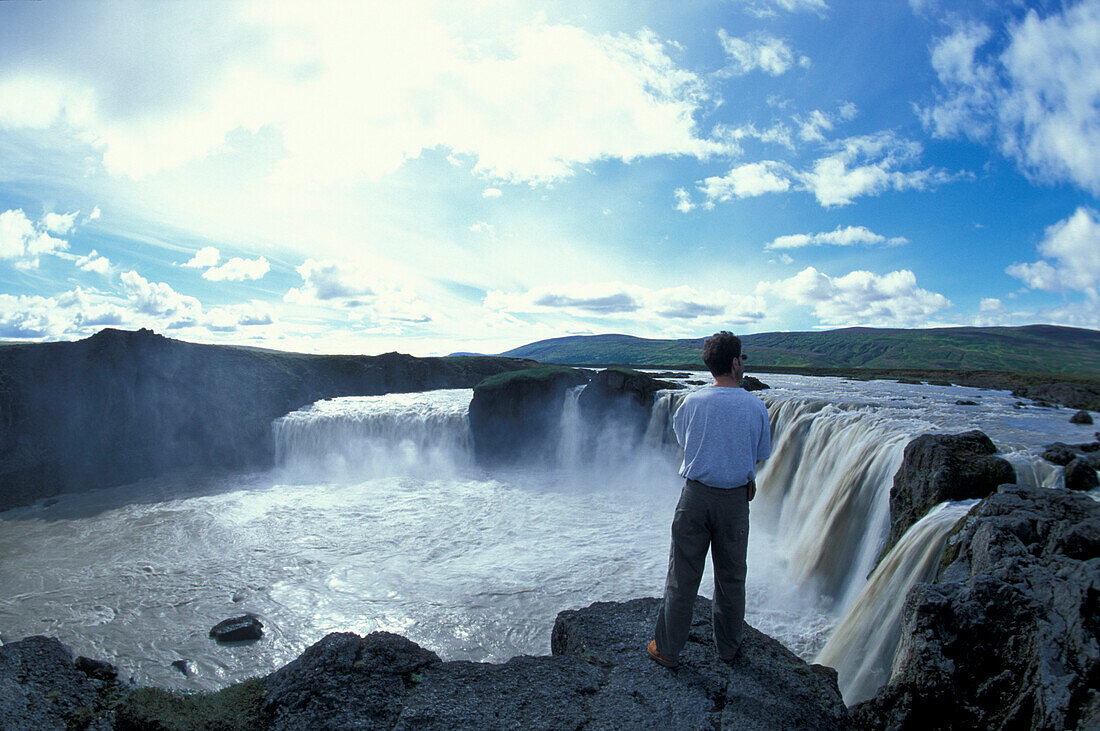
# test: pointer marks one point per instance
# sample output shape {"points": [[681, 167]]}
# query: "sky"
{"points": [[433, 177]]}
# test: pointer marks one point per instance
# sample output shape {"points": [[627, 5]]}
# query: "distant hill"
{"points": [[1033, 348]]}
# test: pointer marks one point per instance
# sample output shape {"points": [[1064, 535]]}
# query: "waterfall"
{"points": [[424, 434], [571, 426], [826, 491], [862, 646]]}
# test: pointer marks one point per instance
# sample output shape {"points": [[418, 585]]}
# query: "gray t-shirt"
{"points": [[724, 432]]}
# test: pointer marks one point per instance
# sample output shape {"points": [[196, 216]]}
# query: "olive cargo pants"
{"points": [[718, 519]]}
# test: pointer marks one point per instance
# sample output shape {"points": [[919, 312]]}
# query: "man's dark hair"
{"points": [[719, 352]]}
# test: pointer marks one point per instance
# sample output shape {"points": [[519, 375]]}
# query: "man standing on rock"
{"points": [[725, 433]]}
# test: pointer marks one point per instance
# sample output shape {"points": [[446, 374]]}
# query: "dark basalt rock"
{"points": [[183, 666], [515, 416], [1073, 395], [1059, 453], [345, 681], [966, 402], [1080, 475], [938, 467], [120, 406], [766, 687], [238, 629], [41, 689], [1081, 417], [1008, 635], [97, 669], [752, 383]]}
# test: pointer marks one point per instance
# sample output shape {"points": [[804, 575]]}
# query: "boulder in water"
{"points": [[1008, 635], [515, 416], [238, 629], [938, 467], [1081, 417], [622, 397], [752, 383], [1080, 475]]}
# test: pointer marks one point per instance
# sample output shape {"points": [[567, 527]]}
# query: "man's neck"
{"points": [[729, 380]]}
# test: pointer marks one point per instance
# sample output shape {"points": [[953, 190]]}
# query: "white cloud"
{"points": [[207, 256], [21, 241], [747, 181], [1071, 256], [238, 269], [94, 262], [613, 301], [1036, 99], [847, 236], [683, 201], [159, 300], [759, 51], [869, 165], [483, 227], [331, 280], [491, 193], [72, 313], [357, 90], [59, 223], [860, 298], [231, 318], [95, 214]]}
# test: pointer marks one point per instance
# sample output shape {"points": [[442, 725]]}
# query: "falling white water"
{"points": [[862, 646], [826, 491]]}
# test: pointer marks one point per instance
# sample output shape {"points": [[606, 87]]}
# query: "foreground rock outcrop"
{"points": [[598, 677], [1008, 635], [939, 467], [120, 406]]}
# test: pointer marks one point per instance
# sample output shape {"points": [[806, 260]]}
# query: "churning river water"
{"points": [[377, 518]]}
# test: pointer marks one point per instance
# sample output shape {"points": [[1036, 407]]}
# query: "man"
{"points": [[724, 431]]}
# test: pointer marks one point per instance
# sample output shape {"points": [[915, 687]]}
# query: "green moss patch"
{"points": [[238, 708], [539, 373]]}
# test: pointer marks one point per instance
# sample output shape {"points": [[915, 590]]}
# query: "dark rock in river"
{"points": [[1008, 635], [1080, 475], [238, 629], [1059, 453], [120, 405], [1081, 417], [515, 416], [751, 383], [41, 689], [966, 402], [938, 467]]}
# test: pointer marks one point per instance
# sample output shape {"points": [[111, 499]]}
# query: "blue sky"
{"points": [[438, 176]]}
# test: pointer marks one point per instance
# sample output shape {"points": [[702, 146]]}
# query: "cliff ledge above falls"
{"points": [[597, 677]]}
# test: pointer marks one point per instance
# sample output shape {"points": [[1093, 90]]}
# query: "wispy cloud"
{"points": [[846, 236], [759, 51]]}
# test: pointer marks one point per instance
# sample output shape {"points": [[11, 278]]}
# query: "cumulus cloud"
{"points": [[1034, 97], [758, 51], [747, 181], [860, 298], [231, 318], [94, 262], [207, 256], [59, 223], [22, 240], [330, 280], [611, 300], [483, 227], [159, 300], [846, 236], [95, 214], [491, 193], [238, 269], [71, 313], [526, 102], [869, 165], [1071, 256]]}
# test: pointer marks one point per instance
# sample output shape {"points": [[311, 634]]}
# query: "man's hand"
{"points": [[752, 489]]}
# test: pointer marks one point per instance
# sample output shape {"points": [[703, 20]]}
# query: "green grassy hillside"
{"points": [[1034, 348]]}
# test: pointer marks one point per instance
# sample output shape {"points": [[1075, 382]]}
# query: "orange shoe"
{"points": [[657, 657]]}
